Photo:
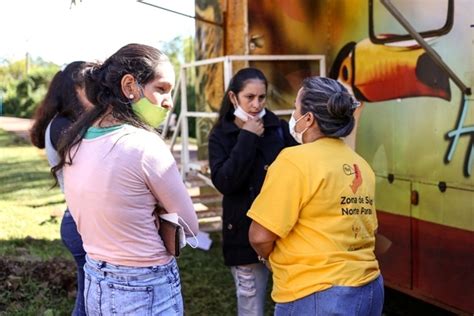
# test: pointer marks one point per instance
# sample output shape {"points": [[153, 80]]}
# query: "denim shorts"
{"points": [[366, 300], [120, 290]]}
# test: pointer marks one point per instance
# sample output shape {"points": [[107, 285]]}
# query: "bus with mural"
{"points": [[411, 63]]}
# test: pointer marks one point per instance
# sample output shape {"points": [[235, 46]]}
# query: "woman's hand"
{"points": [[254, 125]]}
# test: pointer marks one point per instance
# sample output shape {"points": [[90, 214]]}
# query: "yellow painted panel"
{"points": [[454, 207], [393, 197]]}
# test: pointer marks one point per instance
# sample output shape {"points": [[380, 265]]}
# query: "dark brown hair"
{"points": [[104, 90], [61, 99], [237, 84]]}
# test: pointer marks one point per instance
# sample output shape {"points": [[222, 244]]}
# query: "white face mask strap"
{"points": [[189, 229], [300, 117], [302, 132]]}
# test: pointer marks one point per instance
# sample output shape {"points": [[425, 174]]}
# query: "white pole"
{"points": [[227, 72], [176, 131], [184, 126], [322, 66], [204, 62], [274, 57]]}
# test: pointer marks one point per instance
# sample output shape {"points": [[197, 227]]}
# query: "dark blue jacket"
{"points": [[239, 160]]}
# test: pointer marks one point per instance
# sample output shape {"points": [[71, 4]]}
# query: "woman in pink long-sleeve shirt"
{"points": [[116, 170]]}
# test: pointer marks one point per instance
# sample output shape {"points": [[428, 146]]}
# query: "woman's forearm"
{"points": [[263, 249], [261, 239]]}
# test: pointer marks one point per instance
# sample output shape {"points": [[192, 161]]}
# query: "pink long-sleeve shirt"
{"points": [[111, 189]]}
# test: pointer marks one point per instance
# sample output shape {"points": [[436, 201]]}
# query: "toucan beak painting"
{"points": [[381, 72]]}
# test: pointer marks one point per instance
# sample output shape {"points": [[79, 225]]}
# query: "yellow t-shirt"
{"points": [[319, 199]]}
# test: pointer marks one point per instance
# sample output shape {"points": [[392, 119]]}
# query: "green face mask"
{"points": [[149, 113]]}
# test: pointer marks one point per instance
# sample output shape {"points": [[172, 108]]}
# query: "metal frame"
{"points": [[445, 29], [182, 122], [418, 37]]}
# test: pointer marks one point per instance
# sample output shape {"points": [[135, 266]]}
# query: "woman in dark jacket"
{"points": [[243, 143]]}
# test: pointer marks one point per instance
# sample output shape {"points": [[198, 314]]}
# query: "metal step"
{"points": [[209, 212], [206, 199], [210, 224]]}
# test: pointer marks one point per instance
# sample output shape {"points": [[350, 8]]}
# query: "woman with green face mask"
{"points": [[149, 112], [116, 170]]}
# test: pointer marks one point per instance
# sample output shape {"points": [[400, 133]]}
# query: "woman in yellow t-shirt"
{"points": [[315, 218]]}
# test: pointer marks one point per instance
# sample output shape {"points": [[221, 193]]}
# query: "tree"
{"points": [[23, 91], [181, 51]]}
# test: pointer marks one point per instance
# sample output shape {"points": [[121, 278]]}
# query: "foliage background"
{"points": [[23, 84]]}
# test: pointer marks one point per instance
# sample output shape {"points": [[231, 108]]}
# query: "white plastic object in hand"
{"points": [[175, 218]]}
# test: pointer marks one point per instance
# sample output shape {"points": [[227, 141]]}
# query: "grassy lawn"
{"points": [[25, 198], [37, 274]]}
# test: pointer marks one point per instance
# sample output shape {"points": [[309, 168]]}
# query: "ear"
{"points": [[129, 87], [309, 119], [233, 98]]}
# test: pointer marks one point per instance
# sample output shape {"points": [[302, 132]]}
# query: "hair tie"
{"points": [[355, 103]]}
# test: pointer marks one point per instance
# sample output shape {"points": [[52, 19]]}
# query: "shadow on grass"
{"points": [[21, 175], [8, 139], [50, 203], [22, 167], [36, 278]]}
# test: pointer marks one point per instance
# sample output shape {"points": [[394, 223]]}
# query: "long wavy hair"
{"points": [[61, 99], [237, 84], [104, 90]]}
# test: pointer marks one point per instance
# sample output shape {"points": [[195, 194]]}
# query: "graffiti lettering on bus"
{"points": [[461, 131]]}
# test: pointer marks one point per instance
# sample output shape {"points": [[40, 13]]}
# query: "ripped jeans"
{"points": [[251, 285]]}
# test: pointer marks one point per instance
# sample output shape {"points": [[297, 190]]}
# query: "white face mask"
{"points": [[291, 126], [244, 116]]}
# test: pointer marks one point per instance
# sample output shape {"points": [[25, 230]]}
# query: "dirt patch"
{"points": [[24, 280]]}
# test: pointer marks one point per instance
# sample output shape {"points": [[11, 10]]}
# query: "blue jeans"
{"points": [[364, 300], [73, 242], [121, 290], [251, 284]]}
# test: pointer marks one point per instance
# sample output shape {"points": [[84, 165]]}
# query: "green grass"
{"points": [[37, 274], [28, 207]]}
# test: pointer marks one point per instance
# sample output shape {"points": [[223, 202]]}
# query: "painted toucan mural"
{"points": [[416, 128], [380, 72]]}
